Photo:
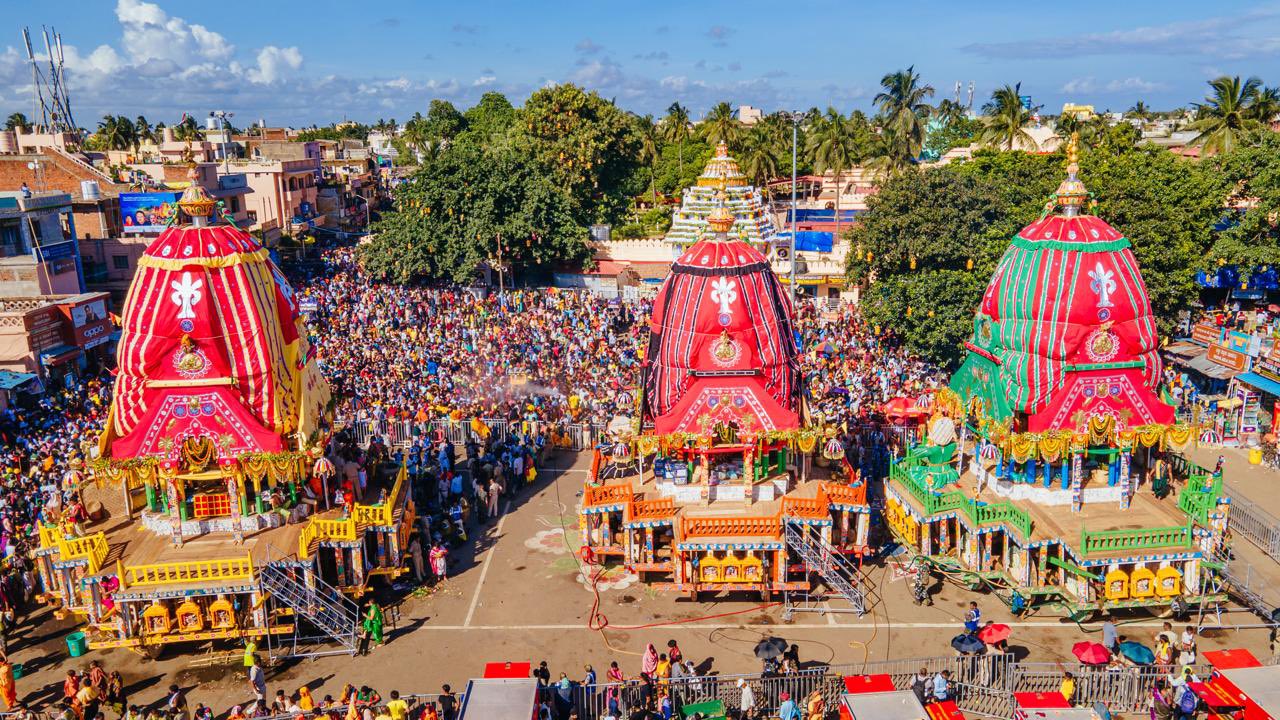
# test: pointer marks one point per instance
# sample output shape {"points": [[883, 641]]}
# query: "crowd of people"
{"points": [[412, 353]]}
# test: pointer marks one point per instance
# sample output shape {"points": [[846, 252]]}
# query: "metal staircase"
{"points": [[836, 570], [320, 603]]}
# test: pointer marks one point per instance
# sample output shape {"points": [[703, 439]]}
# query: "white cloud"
{"points": [[152, 34], [1080, 85], [1130, 84], [275, 64], [484, 81]]}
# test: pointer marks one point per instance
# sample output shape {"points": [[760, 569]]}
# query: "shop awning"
{"points": [[1266, 385], [1183, 348], [1205, 366], [58, 354], [10, 380]]}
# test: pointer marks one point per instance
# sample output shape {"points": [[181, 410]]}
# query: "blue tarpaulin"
{"points": [[10, 380], [809, 240], [816, 215]]}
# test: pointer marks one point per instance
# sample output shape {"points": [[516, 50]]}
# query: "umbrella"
{"points": [[967, 643], [770, 648], [826, 348], [1091, 653], [1137, 652], [994, 633]]}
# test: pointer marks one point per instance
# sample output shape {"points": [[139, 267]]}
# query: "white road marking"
{"points": [[831, 617], [865, 623], [484, 570]]}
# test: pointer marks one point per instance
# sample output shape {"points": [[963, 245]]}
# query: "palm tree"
{"points": [[831, 145], [647, 131], [1140, 111], [1006, 119], [675, 129], [1266, 106], [950, 112], [144, 129], [720, 126], [186, 130], [116, 132], [903, 107], [759, 154], [1227, 115], [17, 121]]}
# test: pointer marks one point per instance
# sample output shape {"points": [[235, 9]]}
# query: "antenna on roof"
{"points": [[51, 104]]}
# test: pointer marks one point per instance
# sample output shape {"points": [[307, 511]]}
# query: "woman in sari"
{"points": [[8, 691], [439, 561], [649, 663], [372, 625]]}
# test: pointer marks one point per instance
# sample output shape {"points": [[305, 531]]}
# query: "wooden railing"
{"points": [[650, 509], [1198, 500], [616, 494], [815, 507], [718, 527], [322, 529], [187, 572], [1002, 513], [382, 514], [1129, 540], [90, 548], [845, 494]]}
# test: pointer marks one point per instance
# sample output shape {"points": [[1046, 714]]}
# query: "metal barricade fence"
{"points": [[1255, 525], [984, 685], [402, 433]]}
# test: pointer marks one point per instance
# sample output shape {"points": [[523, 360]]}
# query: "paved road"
{"points": [[516, 595]]}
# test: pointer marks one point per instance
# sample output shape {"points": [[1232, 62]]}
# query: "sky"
{"points": [[292, 62]]}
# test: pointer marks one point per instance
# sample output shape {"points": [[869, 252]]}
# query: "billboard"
{"points": [[147, 212]]}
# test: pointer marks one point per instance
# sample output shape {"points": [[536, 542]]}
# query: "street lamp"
{"points": [[222, 116], [796, 117]]}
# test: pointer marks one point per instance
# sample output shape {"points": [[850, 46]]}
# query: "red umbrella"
{"points": [[1091, 653], [994, 633]]}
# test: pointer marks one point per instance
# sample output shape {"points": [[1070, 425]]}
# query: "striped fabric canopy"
{"points": [[1065, 311], [208, 314], [722, 344]]}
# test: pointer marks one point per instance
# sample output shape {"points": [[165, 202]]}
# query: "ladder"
{"points": [[1247, 585], [320, 603], [836, 570]]}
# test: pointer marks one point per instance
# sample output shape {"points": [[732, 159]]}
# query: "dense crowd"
{"points": [[416, 353]]}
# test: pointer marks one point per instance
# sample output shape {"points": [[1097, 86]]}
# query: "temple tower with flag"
{"points": [[1050, 469]]}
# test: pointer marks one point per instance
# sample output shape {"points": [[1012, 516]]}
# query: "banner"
{"points": [[147, 212]]}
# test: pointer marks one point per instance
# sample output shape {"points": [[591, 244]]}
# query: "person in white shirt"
{"points": [[748, 702]]}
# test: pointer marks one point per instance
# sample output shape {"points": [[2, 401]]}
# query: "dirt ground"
{"points": [[516, 593]]}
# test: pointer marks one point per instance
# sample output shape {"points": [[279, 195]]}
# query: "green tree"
{"points": [[934, 219], [490, 121], [588, 146], [1005, 120], [675, 129], [143, 129], [1140, 111], [957, 132], [720, 125], [1253, 173], [950, 112], [17, 121], [1227, 117], [759, 155], [904, 107], [116, 132], [448, 218], [831, 144], [443, 121], [650, 139], [186, 130]]}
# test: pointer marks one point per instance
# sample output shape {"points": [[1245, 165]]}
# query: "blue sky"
{"points": [[318, 61]]}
